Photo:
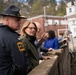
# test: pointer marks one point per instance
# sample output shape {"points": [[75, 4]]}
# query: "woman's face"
{"points": [[48, 35], [31, 30]]}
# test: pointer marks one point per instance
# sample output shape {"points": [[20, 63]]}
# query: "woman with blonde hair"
{"points": [[28, 36]]}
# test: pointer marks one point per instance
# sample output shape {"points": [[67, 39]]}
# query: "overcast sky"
{"points": [[57, 0]]}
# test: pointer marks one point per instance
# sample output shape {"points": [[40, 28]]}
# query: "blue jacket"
{"points": [[51, 43]]}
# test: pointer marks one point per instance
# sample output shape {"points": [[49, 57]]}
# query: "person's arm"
{"points": [[19, 58], [43, 49], [56, 44], [43, 38]]}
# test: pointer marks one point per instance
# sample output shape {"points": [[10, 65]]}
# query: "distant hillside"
{"points": [[36, 7]]}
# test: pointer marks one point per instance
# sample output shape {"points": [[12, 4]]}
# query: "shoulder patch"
{"points": [[20, 46]]}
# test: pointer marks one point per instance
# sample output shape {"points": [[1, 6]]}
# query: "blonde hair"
{"points": [[25, 25]]}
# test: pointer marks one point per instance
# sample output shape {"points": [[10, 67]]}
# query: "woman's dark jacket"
{"points": [[31, 51]]}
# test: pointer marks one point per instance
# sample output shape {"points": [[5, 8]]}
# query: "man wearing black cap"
{"points": [[13, 61]]}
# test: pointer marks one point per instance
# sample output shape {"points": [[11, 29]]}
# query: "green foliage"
{"points": [[36, 7], [31, 2], [1, 5], [51, 9], [53, 2], [61, 9]]}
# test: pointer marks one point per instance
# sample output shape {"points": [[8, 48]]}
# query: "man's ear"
{"points": [[6, 20]]}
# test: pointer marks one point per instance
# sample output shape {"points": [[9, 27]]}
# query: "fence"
{"points": [[59, 64]]}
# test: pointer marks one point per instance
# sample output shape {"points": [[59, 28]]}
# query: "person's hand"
{"points": [[46, 57], [50, 49], [44, 36]]}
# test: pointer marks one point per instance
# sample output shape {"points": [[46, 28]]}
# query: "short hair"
{"points": [[51, 34]]}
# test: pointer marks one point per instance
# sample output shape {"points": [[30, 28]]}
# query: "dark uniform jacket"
{"points": [[31, 51], [11, 53]]}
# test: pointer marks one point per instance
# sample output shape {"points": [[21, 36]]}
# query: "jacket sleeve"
{"points": [[19, 57], [56, 44], [43, 49]]}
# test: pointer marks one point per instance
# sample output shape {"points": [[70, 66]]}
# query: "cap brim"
{"points": [[22, 17]]}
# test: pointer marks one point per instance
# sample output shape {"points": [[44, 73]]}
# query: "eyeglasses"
{"points": [[38, 29], [31, 28]]}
